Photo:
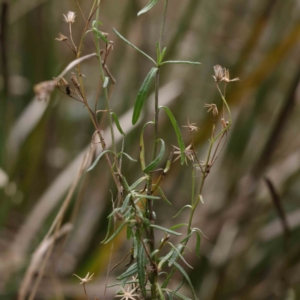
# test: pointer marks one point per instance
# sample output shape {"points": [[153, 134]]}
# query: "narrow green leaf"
{"points": [[147, 7], [170, 295], [125, 203], [179, 225], [98, 158], [186, 206], [145, 196], [140, 180], [179, 295], [127, 155], [164, 259], [186, 62], [198, 241], [115, 117], [157, 52], [142, 145], [141, 265], [115, 233], [162, 54], [95, 22], [163, 195], [134, 47], [142, 95], [176, 254], [160, 292], [132, 270], [165, 229], [177, 131], [186, 277], [100, 35], [129, 233], [108, 228], [155, 162], [126, 185]]}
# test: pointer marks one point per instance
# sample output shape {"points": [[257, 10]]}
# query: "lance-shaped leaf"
{"points": [[129, 272], [186, 277], [133, 46], [180, 62], [115, 233], [141, 266], [100, 35], [166, 229], [147, 7], [155, 162], [115, 117], [160, 292], [142, 146], [142, 95], [177, 131], [98, 158]]}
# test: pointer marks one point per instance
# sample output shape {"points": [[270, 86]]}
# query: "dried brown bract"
{"points": [[44, 89], [212, 108], [61, 37]]}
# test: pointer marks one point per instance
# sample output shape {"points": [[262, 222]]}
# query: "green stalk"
{"points": [[225, 102], [153, 280], [105, 89], [194, 205], [163, 25]]}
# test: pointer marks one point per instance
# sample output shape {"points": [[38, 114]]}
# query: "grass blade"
{"points": [[142, 95], [155, 162], [98, 158], [180, 62], [186, 277], [115, 117], [177, 131], [133, 46], [166, 229], [147, 7]]}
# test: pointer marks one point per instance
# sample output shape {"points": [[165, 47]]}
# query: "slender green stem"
{"points": [[163, 25], [194, 206], [225, 102]]}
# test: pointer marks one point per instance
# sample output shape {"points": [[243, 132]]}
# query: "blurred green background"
{"points": [[247, 254]]}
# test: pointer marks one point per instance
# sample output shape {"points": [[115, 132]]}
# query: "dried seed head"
{"points": [[191, 126], [219, 73], [222, 74], [44, 89], [70, 17], [61, 37], [213, 108]]}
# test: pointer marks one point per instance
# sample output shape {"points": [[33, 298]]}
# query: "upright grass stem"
{"points": [[153, 280]]}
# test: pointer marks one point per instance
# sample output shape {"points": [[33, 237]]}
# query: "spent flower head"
{"points": [[70, 17], [128, 294], [191, 126], [222, 74], [188, 153], [213, 108], [61, 37], [86, 279]]}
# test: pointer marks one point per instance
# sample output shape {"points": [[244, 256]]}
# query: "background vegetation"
{"points": [[252, 248]]}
